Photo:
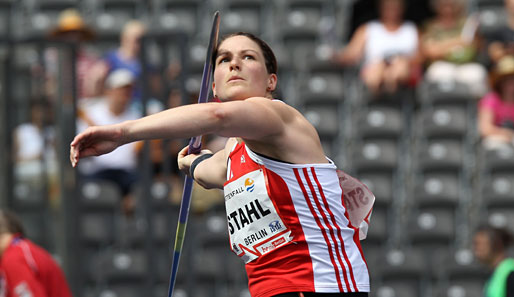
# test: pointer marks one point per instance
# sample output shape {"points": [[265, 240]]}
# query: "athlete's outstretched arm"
{"points": [[254, 118]]}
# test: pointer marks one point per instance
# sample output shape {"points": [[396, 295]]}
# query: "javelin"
{"points": [[195, 145]]}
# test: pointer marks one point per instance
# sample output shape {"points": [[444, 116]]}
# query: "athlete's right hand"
{"points": [[95, 141]]}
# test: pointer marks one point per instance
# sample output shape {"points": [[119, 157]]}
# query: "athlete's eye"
{"points": [[223, 60], [248, 57]]}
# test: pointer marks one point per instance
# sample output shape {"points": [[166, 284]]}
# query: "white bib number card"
{"points": [[254, 226]]}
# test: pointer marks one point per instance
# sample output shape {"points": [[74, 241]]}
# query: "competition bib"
{"points": [[254, 226]]}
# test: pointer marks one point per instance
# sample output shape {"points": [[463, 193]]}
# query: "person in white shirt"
{"points": [[119, 166], [387, 49]]}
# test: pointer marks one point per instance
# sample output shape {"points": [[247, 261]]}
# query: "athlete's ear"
{"points": [[214, 89], [272, 82]]}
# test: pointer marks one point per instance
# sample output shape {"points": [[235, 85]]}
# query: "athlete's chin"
{"points": [[234, 96]]}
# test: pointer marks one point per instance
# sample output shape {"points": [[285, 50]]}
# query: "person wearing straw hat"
{"points": [[71, 27], [496, 109]]}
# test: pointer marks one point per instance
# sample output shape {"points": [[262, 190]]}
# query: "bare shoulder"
{"points": [[297, 143], [275, 105]]}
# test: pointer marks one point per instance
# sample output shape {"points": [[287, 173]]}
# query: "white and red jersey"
{"points": [[289, 224]]}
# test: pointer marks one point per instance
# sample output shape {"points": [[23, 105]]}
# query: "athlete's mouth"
{"points": [[234, 78]]}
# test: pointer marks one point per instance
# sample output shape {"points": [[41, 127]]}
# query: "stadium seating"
{"points": [[498, 160], [433, 225], [381, 185], [458, 273], [440, 155], [491, 18], [97, 229], [244, 16], [498, 189], [322, 86], [112, 15], [501, 216], [402, 273], [324, 117], [442, 121], [434, 189], [176, 16], [37, 227], [378, 230], [29, 196], [375, 156], [5, 18], [383, 122]]}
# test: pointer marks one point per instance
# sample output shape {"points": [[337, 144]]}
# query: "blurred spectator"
{"points": [[164, 156], [450, 46], [119, 166], [501, 40], [26, 270], [34, 148], [496, 109], [72, 28], [389, 47], [490, 247], [125, 57]]}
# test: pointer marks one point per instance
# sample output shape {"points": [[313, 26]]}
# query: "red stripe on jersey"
{"points": [[356, 239], [320, 226], [330, 227], [339, 235]]}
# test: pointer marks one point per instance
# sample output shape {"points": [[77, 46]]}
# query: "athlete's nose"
{"points": [[235, 64]]}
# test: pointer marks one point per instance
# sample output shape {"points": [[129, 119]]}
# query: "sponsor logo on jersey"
{"points": [[275, 226], [233, 193], [249, 185]]}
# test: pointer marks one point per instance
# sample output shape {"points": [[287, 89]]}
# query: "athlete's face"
{"points": [[240, 71]]}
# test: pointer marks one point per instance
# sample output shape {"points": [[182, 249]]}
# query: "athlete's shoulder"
{"points": [[12, 258]]}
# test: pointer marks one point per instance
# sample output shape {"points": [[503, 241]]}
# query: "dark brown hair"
{"points": [[499, 238], [10, 223], [269, 57]]}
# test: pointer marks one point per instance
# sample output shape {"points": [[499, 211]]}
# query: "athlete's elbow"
{"points": [[223, 119], [207, 184]]}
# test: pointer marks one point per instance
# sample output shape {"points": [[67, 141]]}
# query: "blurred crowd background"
{"points": [[415, 98]]}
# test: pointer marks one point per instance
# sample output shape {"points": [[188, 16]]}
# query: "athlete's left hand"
{"points": [[184, 160]]}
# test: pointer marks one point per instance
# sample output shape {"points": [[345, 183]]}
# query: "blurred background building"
{"points": [[417, 147]]}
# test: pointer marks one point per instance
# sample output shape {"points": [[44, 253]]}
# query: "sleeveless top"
{"points": [[496, 286], [382, 44], [288, 223]]}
